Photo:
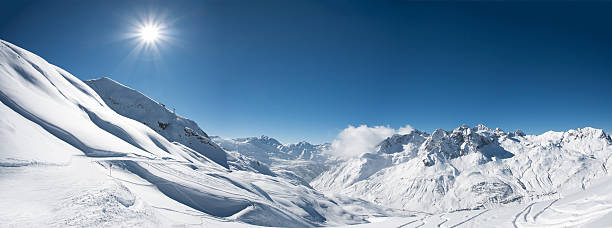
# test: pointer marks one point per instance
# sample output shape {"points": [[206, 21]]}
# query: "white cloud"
{"points": [[405, 130], [355, 141]]}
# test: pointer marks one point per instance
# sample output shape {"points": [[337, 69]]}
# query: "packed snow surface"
{"points": [[98, 153]]}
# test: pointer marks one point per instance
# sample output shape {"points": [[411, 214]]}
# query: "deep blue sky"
{"points": [[298, 70]]}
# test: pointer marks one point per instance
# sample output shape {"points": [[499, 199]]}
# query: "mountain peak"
{"points": [[262, 139], [587, 132], [397, 143], [136, 105]]}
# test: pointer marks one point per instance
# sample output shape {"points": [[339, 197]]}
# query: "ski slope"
{"points": [[589, 208]]}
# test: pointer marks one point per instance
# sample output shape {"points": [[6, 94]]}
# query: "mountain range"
{"points": [[98, 153]]}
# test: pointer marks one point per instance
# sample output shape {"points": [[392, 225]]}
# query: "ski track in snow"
{"points": [[445, 220], [522, 212], [535, 218]]}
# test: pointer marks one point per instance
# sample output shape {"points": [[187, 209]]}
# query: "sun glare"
{"points": [[149, 33]]}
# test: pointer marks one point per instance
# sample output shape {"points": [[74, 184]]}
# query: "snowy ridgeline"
{"points": [[60, 136], [472, 168], [302, 161]]}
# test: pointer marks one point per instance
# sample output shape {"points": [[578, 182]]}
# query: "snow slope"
{"points": [[68, 159], [589, 208], [302, 159], [137, 106], [471, 168]]}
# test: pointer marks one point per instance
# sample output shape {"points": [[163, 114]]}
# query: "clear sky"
{"points": [[305, 70]]}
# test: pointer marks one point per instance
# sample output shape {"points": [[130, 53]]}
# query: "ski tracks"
{"points": [[469, 219], [524, 214]]}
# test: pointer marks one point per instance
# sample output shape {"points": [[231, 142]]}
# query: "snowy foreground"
{"points": [[97, 153]]}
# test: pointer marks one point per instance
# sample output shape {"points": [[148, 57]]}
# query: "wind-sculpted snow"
{"points": [[68, 159], [135, 105], [469, 168]]}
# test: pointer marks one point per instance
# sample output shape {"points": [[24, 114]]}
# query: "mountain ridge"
{"points": [[468, 168]]}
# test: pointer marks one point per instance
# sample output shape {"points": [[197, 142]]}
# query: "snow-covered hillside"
{"points": [[589, 208], [137, 106], [302, 159], [470, 168], [68, 159]]}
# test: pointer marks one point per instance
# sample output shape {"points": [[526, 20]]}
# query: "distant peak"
{"points": [[264, 138], [303, 143], [588, 131], [478, 128], [482, 127], [259, 139]]}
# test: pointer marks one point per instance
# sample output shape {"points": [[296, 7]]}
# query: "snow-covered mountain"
{"points": [[67, 158], [470, 168], [98, 153], [267, 149], [302, 159], [137, 106]]}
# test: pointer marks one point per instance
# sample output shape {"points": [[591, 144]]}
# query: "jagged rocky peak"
{"points": [[300, 146], [307, 151], [397, 142], [303, 144], [442, 145], [587, 132]]}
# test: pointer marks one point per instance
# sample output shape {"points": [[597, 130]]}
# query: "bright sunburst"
{"points": [[149, 33]]}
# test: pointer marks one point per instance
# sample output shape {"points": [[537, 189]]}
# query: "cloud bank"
{"points": [[355, 141]]}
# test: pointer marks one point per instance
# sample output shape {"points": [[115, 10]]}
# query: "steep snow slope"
{"points": [[68, 159], [302, 159], [137, 106], [470, 168]]}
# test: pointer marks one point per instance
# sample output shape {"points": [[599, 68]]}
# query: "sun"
{"points": [[149, 33]]}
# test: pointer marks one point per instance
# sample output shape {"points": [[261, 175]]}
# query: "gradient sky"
{"points": [[298, 70]]}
